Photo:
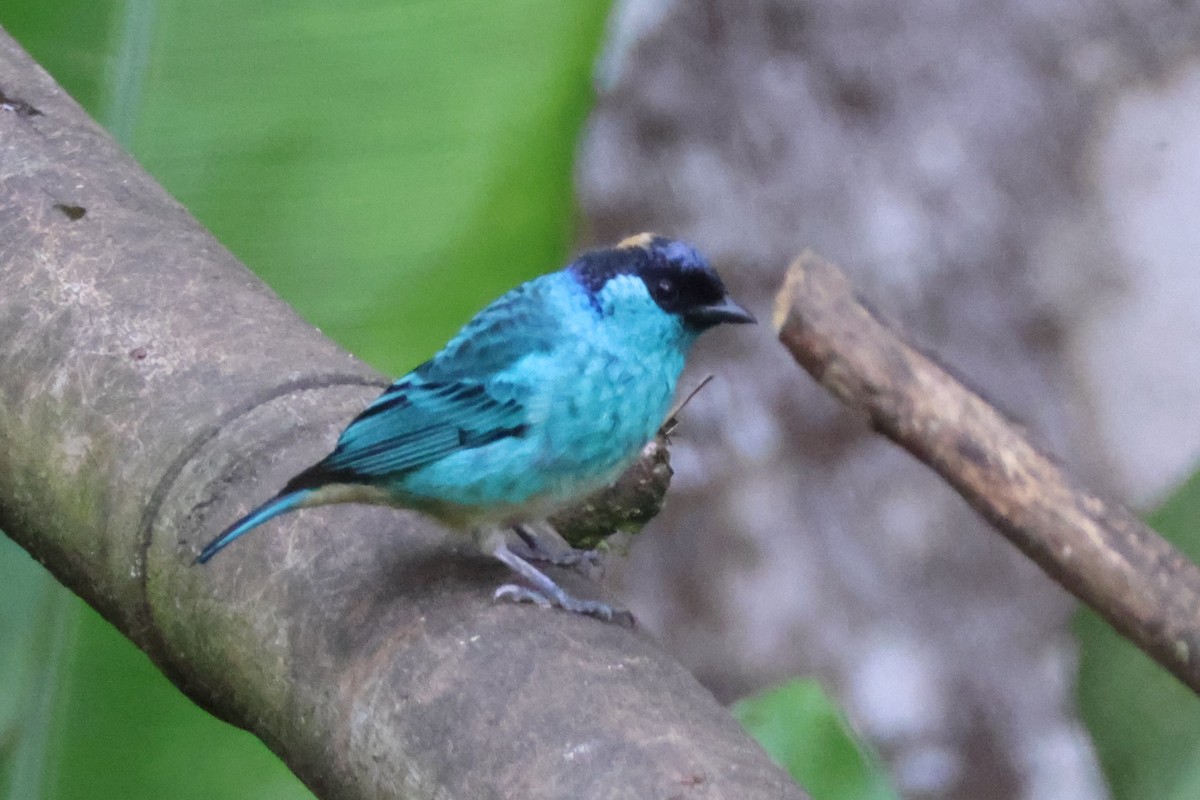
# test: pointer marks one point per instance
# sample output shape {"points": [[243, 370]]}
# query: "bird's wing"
{"points": [[520, 323], [412, 424], [451, 402]]}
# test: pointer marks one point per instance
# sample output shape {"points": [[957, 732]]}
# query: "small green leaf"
{"points": [[807, 734]]}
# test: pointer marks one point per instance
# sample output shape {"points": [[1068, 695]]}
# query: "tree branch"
{"points": [[151, 389], [1098, 550]]}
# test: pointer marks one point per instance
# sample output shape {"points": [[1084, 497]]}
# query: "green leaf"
{"points": [[806, 733], [388, 166]]}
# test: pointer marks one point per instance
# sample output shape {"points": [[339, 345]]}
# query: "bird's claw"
{"points": [[592, 608], [588, 563], [521, 594]]}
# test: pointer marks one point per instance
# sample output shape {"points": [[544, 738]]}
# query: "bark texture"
{"points": [[1094, 547], [151, 389]]}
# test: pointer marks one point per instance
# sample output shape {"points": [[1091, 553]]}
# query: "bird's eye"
{"points": [[666, 288]]}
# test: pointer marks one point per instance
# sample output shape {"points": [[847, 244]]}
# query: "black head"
{"points": [[677, 277]]}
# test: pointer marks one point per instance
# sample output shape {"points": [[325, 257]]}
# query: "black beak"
{"points": [[716, 313]]}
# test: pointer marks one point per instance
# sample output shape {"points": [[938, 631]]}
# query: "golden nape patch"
{"points": [[640, 240]]}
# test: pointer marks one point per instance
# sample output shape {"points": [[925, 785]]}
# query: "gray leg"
{"points": [[545, 591]]}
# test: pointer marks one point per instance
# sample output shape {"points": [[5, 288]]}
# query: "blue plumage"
{"points": [[548, 394], [281, 504]]}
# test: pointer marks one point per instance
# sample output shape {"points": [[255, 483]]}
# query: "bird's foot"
{"points": [[586, 562], [592, 608], [545, 591]]}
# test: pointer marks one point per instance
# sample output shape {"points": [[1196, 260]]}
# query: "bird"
{"points": [[545, 396]]}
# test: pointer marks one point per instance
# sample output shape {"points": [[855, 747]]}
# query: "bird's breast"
{"points": [[589, 408], [599, 413]]}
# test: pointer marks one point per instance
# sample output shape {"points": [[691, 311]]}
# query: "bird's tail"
{"points": [[281, 504]]}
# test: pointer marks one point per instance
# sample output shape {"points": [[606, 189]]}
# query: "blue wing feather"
{"points": [[448, 403], [517, 324]]}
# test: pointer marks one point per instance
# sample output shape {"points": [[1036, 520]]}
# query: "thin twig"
{"points": [[672, 422], [1096, 548]]}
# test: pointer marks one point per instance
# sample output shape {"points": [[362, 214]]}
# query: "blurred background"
{"points": [[1014, 184]]}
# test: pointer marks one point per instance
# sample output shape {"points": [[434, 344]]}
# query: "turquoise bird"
{"points": [[547, 395]]}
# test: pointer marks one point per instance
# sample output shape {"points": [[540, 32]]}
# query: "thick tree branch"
{"points": [[1097, 549], [151, 389]]}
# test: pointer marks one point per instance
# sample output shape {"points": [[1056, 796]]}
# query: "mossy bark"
{"points": [[151, 389]]}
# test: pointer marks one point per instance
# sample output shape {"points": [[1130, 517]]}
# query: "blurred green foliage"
{"points": [[1146, 724], [806, 734], [422, 148]]}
